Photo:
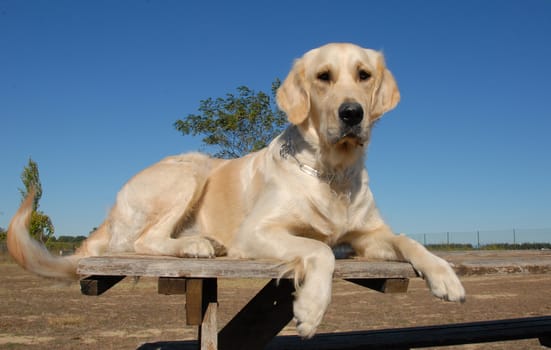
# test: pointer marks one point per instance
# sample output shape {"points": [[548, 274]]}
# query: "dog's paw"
{"points": [[197, 247], [309, 307], [443, 282], [308, 315], [306, 330]]}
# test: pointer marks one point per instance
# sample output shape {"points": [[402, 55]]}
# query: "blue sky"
{"points": [[90, 90]]}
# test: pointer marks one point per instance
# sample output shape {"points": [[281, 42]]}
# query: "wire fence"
{"points": [[479, 239]]}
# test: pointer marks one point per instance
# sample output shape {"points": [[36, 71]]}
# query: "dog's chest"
{"points": [[332, 214]]}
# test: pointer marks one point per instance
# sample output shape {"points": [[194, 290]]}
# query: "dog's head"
{"points": [[334, 94]]}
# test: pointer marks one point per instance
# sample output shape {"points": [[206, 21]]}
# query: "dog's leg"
{"points": [[153, 206], [381, 243], [311, 261], [157, 240], [185, 247], [160, 237]]}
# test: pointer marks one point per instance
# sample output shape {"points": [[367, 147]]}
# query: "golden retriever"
{"points": [[292, 201]]}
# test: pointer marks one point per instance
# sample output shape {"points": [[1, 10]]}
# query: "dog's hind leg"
{"points": [[152, 207], [157, 240]]}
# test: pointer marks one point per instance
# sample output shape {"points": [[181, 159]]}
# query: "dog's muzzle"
{"points": [[351, 115]]}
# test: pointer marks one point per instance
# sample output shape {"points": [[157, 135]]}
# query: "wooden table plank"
{"points": [[470, 263], [161, 266], [403, 338], [425, 336]]}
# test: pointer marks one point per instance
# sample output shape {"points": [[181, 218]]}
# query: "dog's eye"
{"points": [[364, 75], [324, 76]]}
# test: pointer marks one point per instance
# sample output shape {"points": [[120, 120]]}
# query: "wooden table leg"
{"points": [[208, 330], [201, 310], [261, 319]]}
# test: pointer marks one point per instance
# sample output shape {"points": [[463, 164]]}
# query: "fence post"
{"points": [[478, 239]]}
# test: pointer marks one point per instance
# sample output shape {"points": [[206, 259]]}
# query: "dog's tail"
{"points": [[33, 255]]}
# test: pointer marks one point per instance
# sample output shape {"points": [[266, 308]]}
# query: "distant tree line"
{"points": [[57, 245], [68, 239], [52, 239], [64, 244]]}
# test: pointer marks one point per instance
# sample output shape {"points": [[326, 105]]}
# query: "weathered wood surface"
{"points": [[209, 328], [418, 337], [404, 338], [200, 293], [161, 266], [465, 263]]}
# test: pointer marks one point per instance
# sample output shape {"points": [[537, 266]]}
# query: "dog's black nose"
{"points": [[351, 113]]}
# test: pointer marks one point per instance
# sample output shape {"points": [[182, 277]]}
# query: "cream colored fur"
{"points": [[292, 205]]}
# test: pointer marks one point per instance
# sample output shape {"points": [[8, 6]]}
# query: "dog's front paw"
{"points": [[308, 315], [309, 307], [197, 247], [442, 281]]}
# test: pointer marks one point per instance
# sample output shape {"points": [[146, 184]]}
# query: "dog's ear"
{"points": [[385, 93], [293, 97]]}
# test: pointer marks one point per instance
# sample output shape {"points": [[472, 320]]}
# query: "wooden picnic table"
{"points": [[258, 322]]}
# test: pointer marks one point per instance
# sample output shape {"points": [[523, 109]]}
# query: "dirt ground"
{"points": [[36, 313]]}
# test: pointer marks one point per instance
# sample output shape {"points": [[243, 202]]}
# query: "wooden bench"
{"points": [[258, 323]]}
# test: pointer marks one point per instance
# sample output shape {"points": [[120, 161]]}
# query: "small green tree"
{"points": [[3, 234], [41, 227], [31, 180], [237, 124]]}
